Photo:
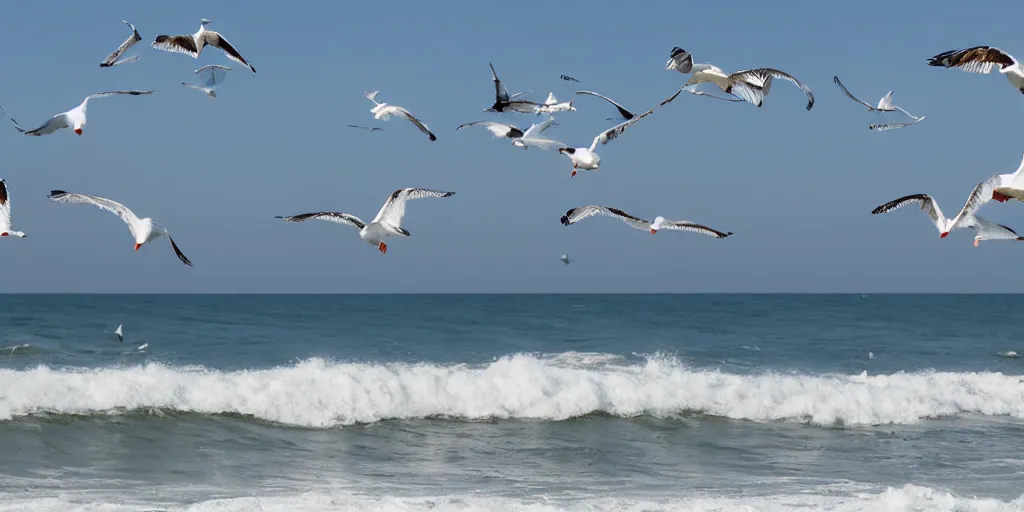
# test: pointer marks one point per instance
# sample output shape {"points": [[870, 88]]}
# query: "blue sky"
{"points": [[795, 186]]}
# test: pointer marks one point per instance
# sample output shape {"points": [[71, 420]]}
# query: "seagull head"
{"points": [[78, 130], [656, 225], [204, 22], [137, 245]]}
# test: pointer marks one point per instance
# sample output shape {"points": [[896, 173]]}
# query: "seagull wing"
{"points": [[536, 129], [498, 129], [177, 44], [5, 207], [622, 110], [338, 217], [685, 225], [979, 59], [394, 208], [111, 59], [850, 95], [215, 39], [401, 112], [928, 205], [114, 207], [212, 75], [55, 123], [500, 91], [889, 126], [692, 89], [115, 93], [575, 215], [177, 252], [617, 130], [981, 195], [759, 81]]}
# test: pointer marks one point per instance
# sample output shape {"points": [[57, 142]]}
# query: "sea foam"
{"points": [[318, 393]]}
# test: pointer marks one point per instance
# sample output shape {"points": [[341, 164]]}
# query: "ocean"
{"points": [[511, 402]]}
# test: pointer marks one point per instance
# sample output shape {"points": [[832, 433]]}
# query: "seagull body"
{"points": [[5, 212], [552, 105], [504, 102], [387, 222], [111, 59], [565, 259], [383, 111], [988, 230], [210, 76], [193, 44], [587, 158], [143, 230], [575, 215], [75, 118], [884, 105], [981, 59], [751, 85], [119, 332]]}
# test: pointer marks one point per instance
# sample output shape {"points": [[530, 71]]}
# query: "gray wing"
{"points": [[212, 74], [394, 208], [615, 131], [684, 225], [850, 95], [338, 217], [622, 110], [128, 43], [884, 127], [114, 207], [498, 129], [759, 81], [575, 215], [419, 124], [178, 44], [115, 93], [928, 205], [692, 89], [500, 91], [55, 123], [215, 39]]}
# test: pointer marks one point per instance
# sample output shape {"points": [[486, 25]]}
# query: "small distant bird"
{"points": [[5, 212], [552, 105], [587, 158], [143, 230], [575, 215], [111, 59], [383, 111], [751, 85], [565, 259], [981, 59], [119, 332], [193, 44], [568, 78], [370, 129], [387, 222], [884, 105], [680, 60], [504, 102], [210, 76], [74, 118]]}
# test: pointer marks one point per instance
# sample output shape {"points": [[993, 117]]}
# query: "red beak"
{"points": [[653, 231], [944, 235], [137, 247], [78, 131]]}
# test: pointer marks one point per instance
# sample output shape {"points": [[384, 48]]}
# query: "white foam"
{"points": [[905, 499], [319, 393]]}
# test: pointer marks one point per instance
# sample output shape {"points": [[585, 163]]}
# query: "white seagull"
{"points": [[74, 118], [981, 59], [751, 85], [505, 102], [383, 111], [884, 105], [587, 158], [531, 137], [565, 259], [988, 230], [210, 76], [5, 212], [119, 332], [552, 105], [575, 215], [111, 59], [931, 208], [143, 230], [387, 222], [193, 44]]}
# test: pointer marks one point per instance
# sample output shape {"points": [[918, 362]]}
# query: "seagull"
{"points": [[210, 76], [575, 215], [749, 84], [988, 230], [531, 137], [119, 333], [568, 78], [143, 230], [504, 102], [111, 59], [565, 259], [930, 207], [370, 129], [680, 60], [587, 159], [74, 117], [623, 113], [498, 129], [551, 105], [981, 59], [884, 105], [387, 222], [384, 112], [5, 212], [193, 44]]}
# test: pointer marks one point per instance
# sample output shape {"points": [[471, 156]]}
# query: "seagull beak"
{"points": [[137, 247], [653, 231], [78, 131], [944, 234]]}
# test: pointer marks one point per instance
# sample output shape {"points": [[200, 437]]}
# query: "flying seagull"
{"points": [[383, 111], [986, 229], [587, 158], [981, 59], [504, 102], [751, 85], [5, 212], [119, 332], [531, 137], [565, 259], [884, 105], [575, 215], [568, 78], [498, 129], [387, 222], [142, 230], [111, 59], [210, 76], [74, 118], [519, 137], [552, 105], [193, 44]]}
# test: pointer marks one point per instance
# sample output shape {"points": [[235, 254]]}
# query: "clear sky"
{"points": [[795, 186]]}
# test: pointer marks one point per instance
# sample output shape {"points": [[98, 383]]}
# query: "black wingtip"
{"points": [[565, 220], [55, 193], [278, 217], [448, 194], [433, 137], [104, 65], [728, 234]]}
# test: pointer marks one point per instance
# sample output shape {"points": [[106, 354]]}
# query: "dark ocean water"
{"points": [[512, 402]]}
